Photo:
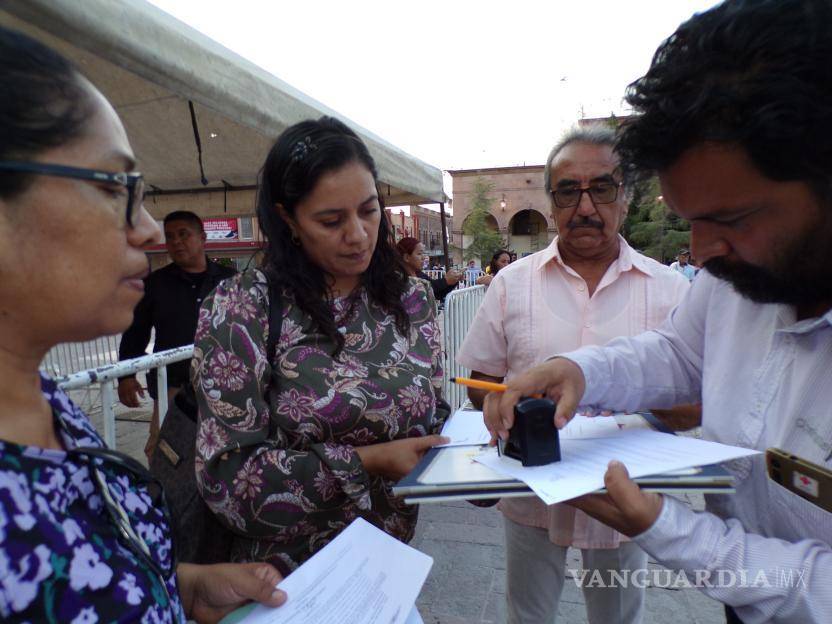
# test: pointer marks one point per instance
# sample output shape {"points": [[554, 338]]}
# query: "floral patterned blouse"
{"points": [[60, 557], [276, 457]]}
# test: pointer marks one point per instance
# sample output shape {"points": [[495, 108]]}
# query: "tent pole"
{"points": [[444, 235]]}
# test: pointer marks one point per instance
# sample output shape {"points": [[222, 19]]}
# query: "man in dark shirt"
{"points": [[170, 305]]}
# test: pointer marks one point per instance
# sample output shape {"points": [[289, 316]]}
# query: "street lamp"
{"points": [[503, 203]]}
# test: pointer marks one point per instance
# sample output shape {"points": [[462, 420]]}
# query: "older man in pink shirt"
{"points": [[589, 286]]}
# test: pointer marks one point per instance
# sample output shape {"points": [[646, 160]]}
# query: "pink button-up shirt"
{"points": [[537, 307]]}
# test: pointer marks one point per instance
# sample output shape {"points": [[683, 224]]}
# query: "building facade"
{"points": [[419, 222], [520, 208]]}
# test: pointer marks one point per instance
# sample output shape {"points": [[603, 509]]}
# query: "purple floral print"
{"points": [[288, 482]]}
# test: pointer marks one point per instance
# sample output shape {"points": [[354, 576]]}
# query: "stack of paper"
{"points": [[363, 576], [584, 461], [467, 427], [466, 469]]}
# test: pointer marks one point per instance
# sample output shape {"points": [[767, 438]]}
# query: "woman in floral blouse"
{"points": [[294, 445], [83, 538]]}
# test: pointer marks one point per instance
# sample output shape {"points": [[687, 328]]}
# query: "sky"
{"points": [[459, 84]]}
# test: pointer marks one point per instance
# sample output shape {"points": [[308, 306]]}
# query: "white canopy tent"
{"points": [[177, 90]]}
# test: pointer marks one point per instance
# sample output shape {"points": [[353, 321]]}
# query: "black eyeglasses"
{"points": [[129, 537], [133, 182], [600, 193]]}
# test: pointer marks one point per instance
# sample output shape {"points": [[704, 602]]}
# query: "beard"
{"points": [[800, 272]]}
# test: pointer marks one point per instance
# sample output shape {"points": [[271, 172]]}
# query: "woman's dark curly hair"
{"points": [[753, 73], [300, 156]]}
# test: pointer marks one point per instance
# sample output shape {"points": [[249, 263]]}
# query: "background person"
{"points": [[72, 232], [412, 253], [290, 450], [170, 305], [472, 272], [499, 260], [734, 117], [587, 287], [683, 265]]}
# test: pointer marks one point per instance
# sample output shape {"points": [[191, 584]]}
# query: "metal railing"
{"points": [[469, 278], [105, 378], [460, 307], [71, 357]]}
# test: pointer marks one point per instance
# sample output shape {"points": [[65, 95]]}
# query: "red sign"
{"points": [[221, 229]]}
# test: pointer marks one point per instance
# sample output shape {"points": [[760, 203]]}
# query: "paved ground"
{"points": [[467, 582]]}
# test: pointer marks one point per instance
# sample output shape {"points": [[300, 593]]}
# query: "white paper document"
{"points": [[584, 461], [466, 427], [363, 576], [591, 427]]}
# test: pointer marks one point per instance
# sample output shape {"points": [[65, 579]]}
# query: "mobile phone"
{"points": [[807, 480]]}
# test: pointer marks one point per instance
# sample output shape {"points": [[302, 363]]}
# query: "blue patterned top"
{"points": [[60, 558]]}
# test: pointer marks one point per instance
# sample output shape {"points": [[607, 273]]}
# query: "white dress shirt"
{"points": [[764, 379], [538, 306]]}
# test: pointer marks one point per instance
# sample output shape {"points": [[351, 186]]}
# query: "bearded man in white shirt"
{"points": [[735, 117], [587, 287]]}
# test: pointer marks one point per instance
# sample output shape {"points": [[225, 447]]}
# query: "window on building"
{"points": [[246, 228]]}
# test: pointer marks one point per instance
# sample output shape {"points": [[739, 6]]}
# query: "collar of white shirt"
{"points": [[628, 258]]}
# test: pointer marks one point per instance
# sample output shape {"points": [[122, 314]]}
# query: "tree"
{"points": [[651, 228], [485, 240]]}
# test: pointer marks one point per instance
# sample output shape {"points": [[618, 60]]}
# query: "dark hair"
{"points": [[302, 154], [45, 103], [752, 73], [406, 245], [185, 215], [495, 257]]}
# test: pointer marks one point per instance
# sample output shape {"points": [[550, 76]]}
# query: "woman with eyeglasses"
{"points": [[297, 441], [84, 533]]}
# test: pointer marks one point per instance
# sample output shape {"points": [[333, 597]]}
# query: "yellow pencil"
{"points": [[479, 384], [485, 385]]}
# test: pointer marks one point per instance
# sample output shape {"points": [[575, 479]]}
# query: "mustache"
{"points": [[585, 222]]}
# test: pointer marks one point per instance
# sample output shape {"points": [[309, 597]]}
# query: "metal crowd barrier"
{"points": [[105, 378], [71, 357], [460, 307], [469, 278]]}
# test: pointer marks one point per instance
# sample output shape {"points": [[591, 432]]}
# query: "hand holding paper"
{"points": [[363, 576], [625, 507]]}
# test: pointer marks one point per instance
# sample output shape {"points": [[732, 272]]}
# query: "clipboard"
{"points": [[451, 474]]}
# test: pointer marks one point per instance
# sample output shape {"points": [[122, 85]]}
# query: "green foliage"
{"points": [[485, 240], [651, 228], [226, 262]]}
